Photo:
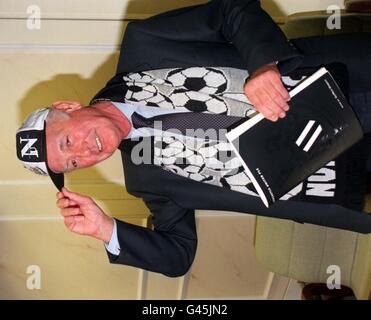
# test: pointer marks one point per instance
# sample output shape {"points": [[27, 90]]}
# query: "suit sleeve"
{"points": [[168, 249], [243, 23]]}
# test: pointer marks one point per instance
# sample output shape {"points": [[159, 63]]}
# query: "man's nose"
{"points": [[84, 152], [81, 150]]}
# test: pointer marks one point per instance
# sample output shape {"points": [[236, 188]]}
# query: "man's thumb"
{"points": [[78, 198]]}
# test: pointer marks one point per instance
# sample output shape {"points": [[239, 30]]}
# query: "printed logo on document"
{"points": [[310, 134]]}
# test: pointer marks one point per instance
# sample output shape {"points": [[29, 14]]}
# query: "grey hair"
{"points": [[55, 113]]}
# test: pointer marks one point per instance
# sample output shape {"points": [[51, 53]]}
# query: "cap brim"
{"points": [[57, 178]]}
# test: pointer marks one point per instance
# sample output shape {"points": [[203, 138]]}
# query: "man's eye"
{"points": [[68, 142], [74, 163]]}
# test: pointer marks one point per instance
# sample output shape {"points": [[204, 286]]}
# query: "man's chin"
{"points": [[105, 156]]}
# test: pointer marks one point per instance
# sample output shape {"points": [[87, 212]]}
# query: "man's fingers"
{"points": [[74, 219], [73, 223], [65, 202], [267, 113], [267, 93], [274, 77], [76, 197], [61, 200], [277, 98], [267, 103], [276, 82], [67, 212], [275, 104], [259, 106]]}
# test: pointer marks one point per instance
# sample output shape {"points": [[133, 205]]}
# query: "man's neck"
{"points": [[109, 110]]}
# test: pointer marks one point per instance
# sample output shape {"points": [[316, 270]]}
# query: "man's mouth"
{"points": [[99, 143]]}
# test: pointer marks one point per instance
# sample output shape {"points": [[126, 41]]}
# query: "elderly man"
{"points": [[191, 65]]}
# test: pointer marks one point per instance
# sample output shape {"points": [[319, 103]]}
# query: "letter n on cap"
{"points": [[29, 146]]}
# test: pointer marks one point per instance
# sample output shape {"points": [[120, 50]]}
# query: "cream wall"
{"points": [[71, 57], [279, 9]]}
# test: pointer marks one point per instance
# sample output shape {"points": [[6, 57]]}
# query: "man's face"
{"points": [[80, 140]]}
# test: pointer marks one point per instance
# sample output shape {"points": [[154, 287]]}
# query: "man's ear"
{"points": [[67, 106]]}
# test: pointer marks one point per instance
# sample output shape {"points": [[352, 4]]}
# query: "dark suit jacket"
{"points": [[229, 33]]}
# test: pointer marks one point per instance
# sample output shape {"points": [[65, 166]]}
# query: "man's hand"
{"points": [[266, 92], [83, 216]]}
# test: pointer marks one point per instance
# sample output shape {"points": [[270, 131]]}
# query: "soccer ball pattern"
{"points": [[205, 80], [193, 88], [142, 90], [211, 162], [198, 102]]}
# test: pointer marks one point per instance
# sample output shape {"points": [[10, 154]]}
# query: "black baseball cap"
{"points": [[31, 146]]}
